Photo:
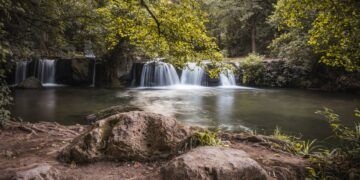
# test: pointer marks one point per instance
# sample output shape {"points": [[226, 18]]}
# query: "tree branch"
{"points": [[152, 15]]}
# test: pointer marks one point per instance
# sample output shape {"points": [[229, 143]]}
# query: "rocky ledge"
{"points": [[137, 145]]}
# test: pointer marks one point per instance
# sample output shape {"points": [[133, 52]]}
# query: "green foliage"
{"points": [[238, 23], [5, 101], [53, 28], [343, 162], [252, 69], [294, 145], [204, 138], [174, 30], [293, 47], [331, 27]]}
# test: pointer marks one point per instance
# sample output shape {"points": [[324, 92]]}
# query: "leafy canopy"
{"points": [[333, 28], [174, 30]]}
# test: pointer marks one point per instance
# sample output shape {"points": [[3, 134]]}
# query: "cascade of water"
{"points": [[158, 74], [21, 71], [227, 78], [192, 74], [46, 70]]}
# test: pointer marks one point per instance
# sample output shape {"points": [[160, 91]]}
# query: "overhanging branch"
{"points": [[152, 15]]}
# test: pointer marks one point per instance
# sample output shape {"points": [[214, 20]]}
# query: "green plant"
{"points": [[252, 69], [5, 100], [204, 138], [295, 145], [343, 162]]}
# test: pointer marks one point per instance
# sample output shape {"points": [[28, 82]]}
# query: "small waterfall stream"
{"points": [[46, 71], [227, 78], [157, 73], [192, 74], [21, 71]]}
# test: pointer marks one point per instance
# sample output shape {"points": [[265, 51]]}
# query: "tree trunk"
{"points": [[253, 36]]}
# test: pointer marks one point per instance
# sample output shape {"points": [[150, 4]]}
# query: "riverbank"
{"points": [[33, 149]]}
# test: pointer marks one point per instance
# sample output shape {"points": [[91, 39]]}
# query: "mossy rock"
{"points": [[129, 136], [109, 112]]}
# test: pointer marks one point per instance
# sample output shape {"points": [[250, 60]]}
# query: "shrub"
{"points": [[295, 145], [343, 162], [252, 69], [5, 100], [205, 138]]}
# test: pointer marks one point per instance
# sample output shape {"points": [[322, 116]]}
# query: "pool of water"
{"points": [[232, 109]]}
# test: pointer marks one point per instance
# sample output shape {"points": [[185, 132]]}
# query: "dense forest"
{"points": [[307, 44]]}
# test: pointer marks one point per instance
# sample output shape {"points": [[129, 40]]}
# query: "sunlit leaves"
{"points": [[174, 30], [333, 27]]}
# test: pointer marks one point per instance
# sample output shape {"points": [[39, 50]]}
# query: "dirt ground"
{"points": [[25, 145]]}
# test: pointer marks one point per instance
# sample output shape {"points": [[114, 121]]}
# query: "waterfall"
{"points": [[46, 71], [21, 71], [192, 74], [158, 74], [227, 78]]}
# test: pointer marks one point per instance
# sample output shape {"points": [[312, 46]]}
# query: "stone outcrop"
{"points": [[213, 163], [109, 112], [135, 135], [38, 172], [81, 70], [30, 83]]}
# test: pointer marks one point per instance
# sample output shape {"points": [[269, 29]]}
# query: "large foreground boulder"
{"points": [[135, 135], [30, 83], [213, 163]]}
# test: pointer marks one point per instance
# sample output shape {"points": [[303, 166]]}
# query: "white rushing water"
{"points": [[21, 71], [158, 74], [46, 71], [227, 78], [192, 74]]}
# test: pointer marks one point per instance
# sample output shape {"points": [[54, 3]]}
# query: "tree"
{"points": [[174, 30], [241, 24], [331, 26]]}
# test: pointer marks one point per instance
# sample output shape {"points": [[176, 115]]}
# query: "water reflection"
{"points": [[231, 109]]}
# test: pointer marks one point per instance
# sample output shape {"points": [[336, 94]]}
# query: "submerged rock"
{"points": [[30, 83], [38, 172], [135, 135], [109, 112], [213, 163]]}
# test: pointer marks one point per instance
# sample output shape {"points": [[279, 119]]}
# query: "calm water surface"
{"points": [[230, 109]]}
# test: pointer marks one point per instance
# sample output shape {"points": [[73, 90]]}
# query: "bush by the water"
{"points": [[275, 73], [252, 69], [341, 162], [255, 71]]}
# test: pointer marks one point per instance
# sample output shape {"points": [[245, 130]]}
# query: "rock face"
{"points": [[109, 112], [38, 172], [213, 163], [30, 83], [81, 70], [135, 135]]}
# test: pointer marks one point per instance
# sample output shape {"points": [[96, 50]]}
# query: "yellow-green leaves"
{"points": [[174, 30], [333, 28]]}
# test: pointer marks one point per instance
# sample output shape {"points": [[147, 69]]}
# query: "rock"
{"points": [[109, 112], [81, 70], [213, 163], [30, 83], [38, 172], [136, 135]]}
